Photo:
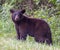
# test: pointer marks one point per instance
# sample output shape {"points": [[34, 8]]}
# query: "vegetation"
{"points": [[49, 11]]}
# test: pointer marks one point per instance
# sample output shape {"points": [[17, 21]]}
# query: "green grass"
{"points": [[8, 41]]}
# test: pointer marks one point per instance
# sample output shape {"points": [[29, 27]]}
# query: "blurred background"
{"points": [[48, 10]]}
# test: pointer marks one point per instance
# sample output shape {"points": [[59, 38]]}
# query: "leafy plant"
{"points": [[53, 1]]}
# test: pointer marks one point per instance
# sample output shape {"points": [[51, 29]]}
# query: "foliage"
{"points": [[53, 1], [5, 20]]}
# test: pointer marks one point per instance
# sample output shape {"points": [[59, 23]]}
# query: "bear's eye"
{"points": [[15, 14]]}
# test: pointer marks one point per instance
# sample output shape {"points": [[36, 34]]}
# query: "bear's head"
{"points": [[17, 15]]}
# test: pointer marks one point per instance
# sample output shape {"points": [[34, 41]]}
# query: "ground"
{"points": [[9, 42]]}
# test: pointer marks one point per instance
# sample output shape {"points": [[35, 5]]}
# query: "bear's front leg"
{"points": [[23, 36], [17, 31], [21, 32]]}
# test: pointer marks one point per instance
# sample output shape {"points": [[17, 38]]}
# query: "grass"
{"points": [[8, 41]]}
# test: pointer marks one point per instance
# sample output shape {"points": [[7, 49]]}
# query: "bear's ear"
{"points": [[12, 11], [23, 11]]}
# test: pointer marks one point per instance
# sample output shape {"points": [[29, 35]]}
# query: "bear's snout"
{"points": [[16, 18]]}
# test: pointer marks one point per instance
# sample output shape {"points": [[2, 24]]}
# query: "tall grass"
{"points": [[6, 24]]}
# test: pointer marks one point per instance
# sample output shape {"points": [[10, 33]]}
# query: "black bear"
{"points": [[36, 28]]}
